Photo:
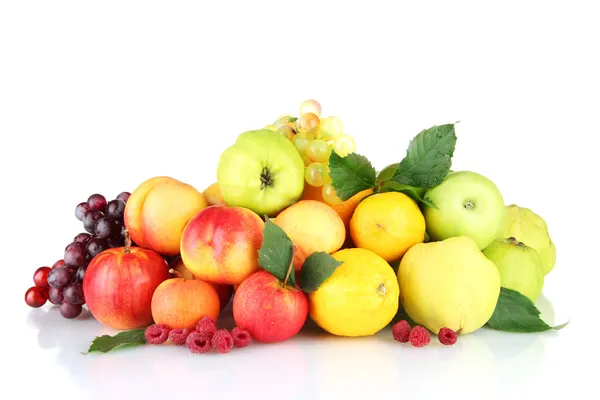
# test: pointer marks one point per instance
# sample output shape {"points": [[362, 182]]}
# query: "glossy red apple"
{"points": [[119, 283], [269, 311]]}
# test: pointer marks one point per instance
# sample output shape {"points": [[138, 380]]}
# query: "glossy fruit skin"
{"points": [[36, 296], [268, 311], [40, 277], [118, 286]]}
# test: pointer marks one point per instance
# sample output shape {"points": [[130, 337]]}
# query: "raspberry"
{"points": [[157, 333], [401, 331], [206, 326], [198, 343], [419, 336], [178, 336], [241, 337], [447, 336], [222, 341]]}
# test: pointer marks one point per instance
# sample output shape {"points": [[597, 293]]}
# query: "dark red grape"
{"points": [[59, 263], [70, 311], [55, 296], [116, 242], [75, 255], [80, 274], [96, 246], [40, 277], [80, 210], [73, 294], [83, 238], [36, 296], [89, 221], [59, 277], [123, 196], [97, 202], [105, 228], [115, 210]]}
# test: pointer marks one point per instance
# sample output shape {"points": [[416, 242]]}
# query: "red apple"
{"points": [[269, 311], [119, 283]]}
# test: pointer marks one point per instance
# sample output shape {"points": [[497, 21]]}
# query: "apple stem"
{"points": [[291, 267], [127, 242], [176, 273]]}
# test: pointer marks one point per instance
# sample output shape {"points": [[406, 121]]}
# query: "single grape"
{"points": [[36, 296], [331, 128], [59, 277], [80, 274], [287, 132], [344, 145], [70, 311], [105, 228], [318, 150], [115, 210], [40, 277], [308, 124], [285, 120], [75, 255], [124, 196], [97, 202], [55, 296], [73, 294], [89, 221], [58, 264], [83, 237], [315, 174], [80, 210], [310, 106], [329, 195], [301, 144], [116, 242], [96, 246]]}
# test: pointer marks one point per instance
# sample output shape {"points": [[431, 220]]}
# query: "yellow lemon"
{"points": [[388, 224], [359, 299]]}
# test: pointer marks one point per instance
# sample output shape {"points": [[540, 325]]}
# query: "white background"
{"points": [[100, 96]]}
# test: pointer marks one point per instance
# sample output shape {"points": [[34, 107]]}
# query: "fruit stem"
{"points": [[291, 267], [127, 242], [176, 273]]}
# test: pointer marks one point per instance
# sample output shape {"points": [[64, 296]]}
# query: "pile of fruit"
{"points": [[300, 226]]}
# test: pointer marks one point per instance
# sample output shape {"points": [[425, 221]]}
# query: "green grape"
{"points": [[331, 128], [286, 131], [310, 106], [315, 174], [307, 161], [329, 195], [344, 145], [318, 151], [308, 124], [271, 128], [301, 144], [286, 120]]}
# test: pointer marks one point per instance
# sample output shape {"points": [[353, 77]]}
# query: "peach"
{"points": [[220, 244], [157, 212], [180, 303], [213, 195], [312, 226]]}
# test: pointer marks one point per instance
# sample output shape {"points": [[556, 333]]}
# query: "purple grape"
{"points": [[70, 311], [73, 294], [116, 242], [75, 255], [115, 210], [96, 246], [59, 277], [83, 238], [97, 202], [123, 196], [104, 228], [80, 274], [89, 220], [55, 296], [80, 210]]}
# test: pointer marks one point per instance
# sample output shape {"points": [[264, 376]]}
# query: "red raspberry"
{"points": [[419, 336], [447, 336], [222, 341], [198, 343], [157, 333], [206, 326], [401, 331], [241, 337], [178, 336]]}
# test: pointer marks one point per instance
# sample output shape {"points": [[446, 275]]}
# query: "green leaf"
{"points": [[316, 269], [351, 174], [414, 193], [106, 343], [276, 253], [428, 158], [517, 313]]}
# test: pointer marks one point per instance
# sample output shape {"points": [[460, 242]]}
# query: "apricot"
{"points": [[213, 195]]}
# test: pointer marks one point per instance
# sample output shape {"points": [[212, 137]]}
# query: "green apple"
{"points": [[520, 266], [468, 204], [262, 171]]}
